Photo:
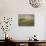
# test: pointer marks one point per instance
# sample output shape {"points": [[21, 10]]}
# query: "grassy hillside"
{"points": [[25, 22]]}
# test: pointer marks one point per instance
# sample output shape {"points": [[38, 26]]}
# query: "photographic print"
{"points": [[26, 20]]}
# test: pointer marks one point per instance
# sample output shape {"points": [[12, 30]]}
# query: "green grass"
{"points": [[24, 22]]}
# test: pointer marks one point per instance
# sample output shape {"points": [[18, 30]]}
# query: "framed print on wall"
{"points": [[26, 20]]}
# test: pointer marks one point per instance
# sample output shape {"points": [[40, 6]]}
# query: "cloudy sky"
{"points": [[26, 16]]}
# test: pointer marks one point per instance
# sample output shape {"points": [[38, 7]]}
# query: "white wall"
{"points": [[12, 8]]}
